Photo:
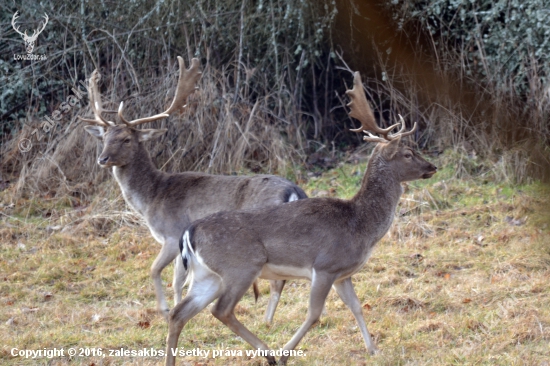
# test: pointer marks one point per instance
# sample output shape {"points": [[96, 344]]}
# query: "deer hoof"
{"points": [[283, 360], [374, 351]]}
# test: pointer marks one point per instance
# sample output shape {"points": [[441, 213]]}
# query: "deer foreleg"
{"points": [[320, 287], [349, 297], [180, 275], [166, 255]]}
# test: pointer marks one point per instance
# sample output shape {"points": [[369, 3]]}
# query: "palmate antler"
{"points": [[360, 109], [95, 103], [186, 86]]}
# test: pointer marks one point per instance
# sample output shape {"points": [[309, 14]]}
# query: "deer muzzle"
{"points": [[432, 169], [102, 160]]}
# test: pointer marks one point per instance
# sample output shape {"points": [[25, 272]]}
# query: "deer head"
{"points": [[121, 142], [29, 40], [407, 164]]}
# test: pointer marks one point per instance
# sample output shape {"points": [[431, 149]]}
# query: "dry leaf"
{"points": [[144, 324]]}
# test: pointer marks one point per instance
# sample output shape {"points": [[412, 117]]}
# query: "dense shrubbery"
{"points": [[264, 46], [257, 105], [492, 60], [271, 71], [506, 42]]}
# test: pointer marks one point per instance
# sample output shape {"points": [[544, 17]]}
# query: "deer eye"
{"points": [[127, 140], [408, 155]]}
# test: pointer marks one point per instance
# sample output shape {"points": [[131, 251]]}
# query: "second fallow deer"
{"points": [[170, 202], [325, 240]]}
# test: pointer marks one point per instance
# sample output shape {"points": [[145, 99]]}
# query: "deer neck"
{"points": [[378, 197], [138, 180]]}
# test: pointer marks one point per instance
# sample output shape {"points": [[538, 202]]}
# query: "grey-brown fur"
{"points": [[170, 202], [325, 240]]}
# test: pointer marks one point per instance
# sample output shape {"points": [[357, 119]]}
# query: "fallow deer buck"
{"points": [[325, 240], [170, 202]]}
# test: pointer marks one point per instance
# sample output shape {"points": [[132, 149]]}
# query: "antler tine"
{"points": [[186, 86], [401, 131], [409, 132], [124, 120], [91, 121], [360, 109], [95, 102], [372, 138]]}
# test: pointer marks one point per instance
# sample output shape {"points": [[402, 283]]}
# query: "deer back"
{"points": [[328, 234]]}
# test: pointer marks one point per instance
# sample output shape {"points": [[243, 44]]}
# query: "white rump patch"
{"points": [[205, 283], [186, 244], [293, 197]]}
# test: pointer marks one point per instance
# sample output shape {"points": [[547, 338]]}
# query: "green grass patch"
{"points": [[461, 278]]}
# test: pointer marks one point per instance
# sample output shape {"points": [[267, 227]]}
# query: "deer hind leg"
{"points": [[349, 297], [275, 289], [320, 287], [224, 308], [180, 274], [167, 253], [205, 288]]}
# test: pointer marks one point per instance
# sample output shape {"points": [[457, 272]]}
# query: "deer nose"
{"points": [[102, 160]]}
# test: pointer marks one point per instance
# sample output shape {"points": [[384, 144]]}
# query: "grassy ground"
{"points": [[463, 277]]}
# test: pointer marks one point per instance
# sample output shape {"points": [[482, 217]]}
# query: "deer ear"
{"points": [[149, 134], [391, 148], [95, 131]]}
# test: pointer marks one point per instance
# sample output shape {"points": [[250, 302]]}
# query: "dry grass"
{"points": [[462, 278], [214, 134]]}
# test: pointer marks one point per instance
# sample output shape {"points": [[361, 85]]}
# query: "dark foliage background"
{"points": [[275, 71]]}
